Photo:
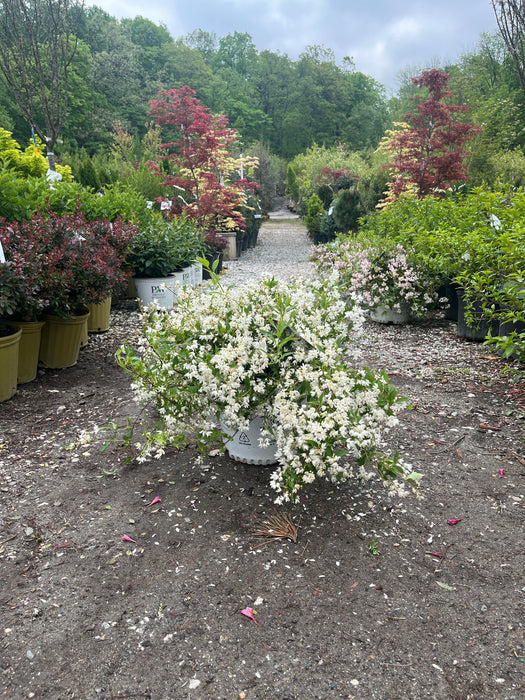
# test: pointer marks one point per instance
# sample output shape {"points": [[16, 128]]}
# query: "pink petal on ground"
{"points": [[127, 538], [436, 554], [452, 521], [249, 613], [155, 500], [501, 473]]}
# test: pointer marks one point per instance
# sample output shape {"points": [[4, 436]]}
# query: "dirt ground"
{"points": [[378, 598]]}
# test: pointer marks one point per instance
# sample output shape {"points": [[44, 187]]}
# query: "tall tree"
{"points": [[37, 45], [184, 65], [428, 153], [510, 16], [205, 42], [367, 114], [151, 40], [237, 51], [273, 83], [487, 81]]}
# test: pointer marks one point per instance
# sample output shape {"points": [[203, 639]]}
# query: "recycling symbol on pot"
{"points": [[244, 439]]}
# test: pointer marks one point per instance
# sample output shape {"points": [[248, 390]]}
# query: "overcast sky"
{"points": [[383, 37]]}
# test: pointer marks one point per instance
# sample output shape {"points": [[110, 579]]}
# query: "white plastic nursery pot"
{"points": [[196, 270], [185, 276], [161, 290], [244, 444], [385, 314]]}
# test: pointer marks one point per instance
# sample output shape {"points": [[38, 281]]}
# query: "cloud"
{"points": [[405, 29], [384, 37]]}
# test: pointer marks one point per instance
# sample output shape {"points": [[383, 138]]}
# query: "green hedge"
{"points": [[476, 240]]}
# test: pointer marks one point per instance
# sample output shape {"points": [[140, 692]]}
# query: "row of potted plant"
{"points": [[234, 238], [475, 244], [55, 268], [163, 255], [469, 248], [381, 277], [57, 264], [247, 237]]}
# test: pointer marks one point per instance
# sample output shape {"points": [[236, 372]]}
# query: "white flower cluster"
{"points": [[282, 350]]}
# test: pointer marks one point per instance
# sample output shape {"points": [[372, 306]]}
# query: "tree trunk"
{"points": [[510, 16], [51, 164]]}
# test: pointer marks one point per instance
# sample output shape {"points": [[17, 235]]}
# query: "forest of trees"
{"points": [[120, 65], [287, 105]]}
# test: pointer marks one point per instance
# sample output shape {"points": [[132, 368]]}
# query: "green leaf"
{"points": [[445, 586]]}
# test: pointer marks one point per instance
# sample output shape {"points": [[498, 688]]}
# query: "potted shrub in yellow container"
{"points": [[21, 300], [63, 263], [84, 261], [9, 347]]}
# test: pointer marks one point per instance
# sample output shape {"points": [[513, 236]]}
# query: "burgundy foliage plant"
{"points": [[197, 156], [430, 154], [56, 264]]}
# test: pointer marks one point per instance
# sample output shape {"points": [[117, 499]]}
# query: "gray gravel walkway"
{"points": [[282, 251]]}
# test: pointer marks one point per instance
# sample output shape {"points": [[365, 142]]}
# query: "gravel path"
{"points": [[282, 251], [379, 598]]}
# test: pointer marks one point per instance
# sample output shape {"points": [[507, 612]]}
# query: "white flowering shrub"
{"points": [[286, 351]]}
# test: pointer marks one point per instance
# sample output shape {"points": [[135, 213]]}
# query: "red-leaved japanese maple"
{"points": [[429, 153], [197, 156]]}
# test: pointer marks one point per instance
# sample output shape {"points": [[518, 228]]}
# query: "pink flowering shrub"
{"points": [[372, 276]]}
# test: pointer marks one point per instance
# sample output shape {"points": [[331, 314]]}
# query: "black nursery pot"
{"points": [[481, 329], [450, 291]]}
